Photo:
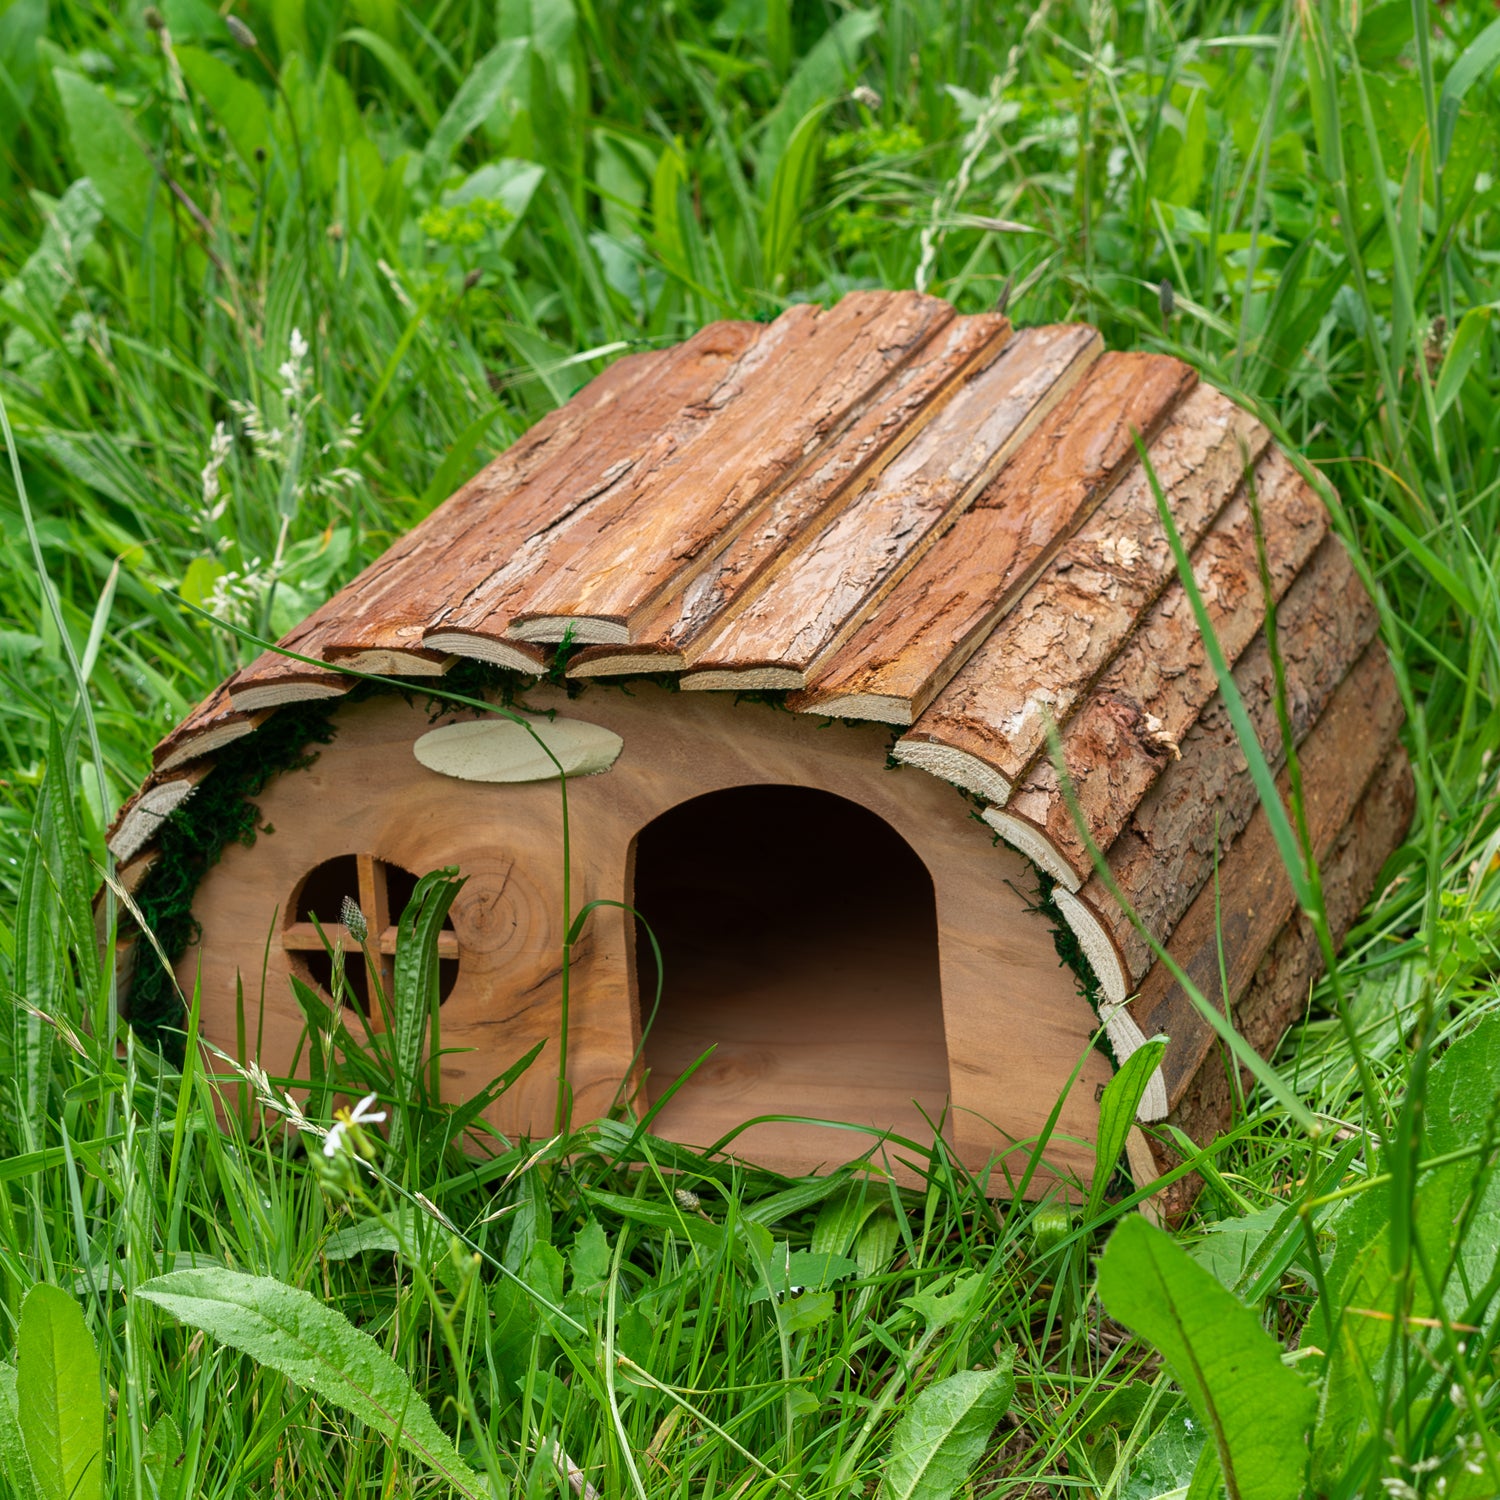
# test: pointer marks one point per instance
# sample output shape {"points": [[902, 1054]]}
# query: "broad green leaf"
{"points": [[14, 1464], [1481, 56], [1468, 344], [49, 271], [235, 101], [417, 977], [877, 1243], [1163, 1465], [796, 173], [943, 1433], [289, 24], [109, 153], [840, 1220], [391, 1236], [512, 184], [589, 1257], [290, 1331], [804, 1310], [22, 24], [1230, 1369], [58, 1401], [811, 1270], [667, 184], [162, 1459], [1231, 1249], [474, 102], [941, 1309], [1463, 1096], [1117, 1110], [820, 75]]}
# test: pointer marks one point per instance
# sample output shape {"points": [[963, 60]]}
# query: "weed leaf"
{"points": [[58, 1403], [317, 1348], [107, 151], [162, 1459], [1481, 56], [943, 1433], [1231, 1371], [1122, 1097], [476, 99], [14, 1464], [1467, 346]]}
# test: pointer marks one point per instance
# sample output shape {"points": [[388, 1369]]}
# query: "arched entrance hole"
{"points": [[799, 939]]}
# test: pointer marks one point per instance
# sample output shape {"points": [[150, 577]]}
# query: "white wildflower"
{"points": [[235, 595], [363, 1113], [292, 372], [268, 442], [218, 452], [336, 480]]}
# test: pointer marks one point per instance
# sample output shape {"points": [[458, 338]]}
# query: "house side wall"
{"points": [[1016, 1026]]}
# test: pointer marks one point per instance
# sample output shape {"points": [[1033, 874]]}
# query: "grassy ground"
{"points": [[462, 211]]}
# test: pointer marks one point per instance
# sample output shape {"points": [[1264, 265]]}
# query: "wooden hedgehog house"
{"points": [[796, 605]]}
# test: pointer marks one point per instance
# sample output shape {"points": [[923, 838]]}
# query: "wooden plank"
{"points": [[302, 937], [214, 723], [899, 411], [1166, 854], [602, 439], [1254, 896], [136, 824], [594, 576], [1130, 729], [1278, 993], [571, 451], [987, 725], [818, 591], [271, 681], [900, 658]]}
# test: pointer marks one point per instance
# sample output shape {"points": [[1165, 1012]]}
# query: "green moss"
{"points": [[191, 840]]}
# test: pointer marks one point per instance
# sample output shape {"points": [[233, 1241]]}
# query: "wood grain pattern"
{"points": [[1338, 761], [597, 574], [1279, 992], [1131, 727], [1013, 1044], [898, 660], [818, 591], [990, 722], [891, 420], [572, 451], [215, 722], [137, 822]]}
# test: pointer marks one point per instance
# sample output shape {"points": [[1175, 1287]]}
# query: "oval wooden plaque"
{"points": [[503, 750]]}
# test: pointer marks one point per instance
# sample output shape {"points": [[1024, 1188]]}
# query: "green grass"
{"points": [[464, 211]]}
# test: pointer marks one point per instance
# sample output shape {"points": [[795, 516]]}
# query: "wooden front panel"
{"points": [[1015, 1024]]}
